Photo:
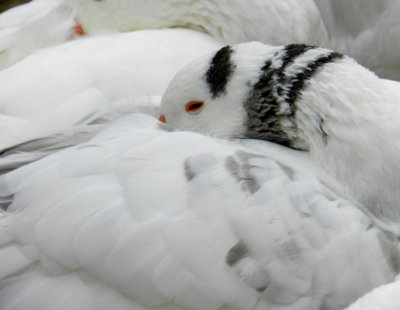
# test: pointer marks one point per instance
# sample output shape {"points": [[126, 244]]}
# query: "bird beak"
{"points": [[162, 118], [78, 30]]}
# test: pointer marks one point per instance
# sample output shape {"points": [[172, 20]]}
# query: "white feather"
{"points": [[343, 114], [366, 30], [49, 22], [144, 218], [385, 297], [55, 88]]}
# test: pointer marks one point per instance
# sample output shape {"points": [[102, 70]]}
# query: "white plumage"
{"points": [[366, 30], [142, 217], [44, 23], [304, 97], [385, 297], [55, 88], [38, 24], [147, 218]]}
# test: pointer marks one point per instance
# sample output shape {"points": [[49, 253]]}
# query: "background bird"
{"points": [[366, 30], [303, 97], [43, 23]]}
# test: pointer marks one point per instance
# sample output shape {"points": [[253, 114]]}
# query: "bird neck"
{"points": [[349, 119]]}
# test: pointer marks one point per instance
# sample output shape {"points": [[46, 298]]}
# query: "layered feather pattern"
{"points": [[146, 217]]}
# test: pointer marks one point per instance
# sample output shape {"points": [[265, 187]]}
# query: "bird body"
{"points": [[384, 297], [304, 97], [146, 217], [57, 87]]}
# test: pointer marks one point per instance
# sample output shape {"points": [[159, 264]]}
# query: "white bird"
{"points": [[304, 97], [57, 87], [366, 30], [37, 24], [144, 217], [385, 297], [42, 23]]}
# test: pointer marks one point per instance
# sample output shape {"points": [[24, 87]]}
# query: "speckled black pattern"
{"points": [[276, 87], [220, 71]]}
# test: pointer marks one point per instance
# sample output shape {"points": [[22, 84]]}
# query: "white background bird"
{"points": [[366, 30], [42, 23]]}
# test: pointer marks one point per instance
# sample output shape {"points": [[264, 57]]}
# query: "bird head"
{"points": [[249, 90]]}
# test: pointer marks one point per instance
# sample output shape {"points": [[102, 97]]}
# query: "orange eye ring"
{"points": [[194, 106]]}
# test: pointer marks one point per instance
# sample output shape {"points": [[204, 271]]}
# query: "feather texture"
{"points": [[384, 297], [308, 98], [43, 23], [56, 88], [148, 218], [368, 31]]}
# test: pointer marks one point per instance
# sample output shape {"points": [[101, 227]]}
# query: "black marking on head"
{"points": [[236, 253], [220, 71], [189, 174], [272, 100]]}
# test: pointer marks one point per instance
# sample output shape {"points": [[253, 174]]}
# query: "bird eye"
{"points": [[194, 107]]}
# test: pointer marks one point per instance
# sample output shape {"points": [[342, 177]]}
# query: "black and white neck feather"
{"points": [[304, 97], [271, 104]]}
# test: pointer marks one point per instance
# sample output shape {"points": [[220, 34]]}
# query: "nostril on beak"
{"points": [[162, 118]]}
